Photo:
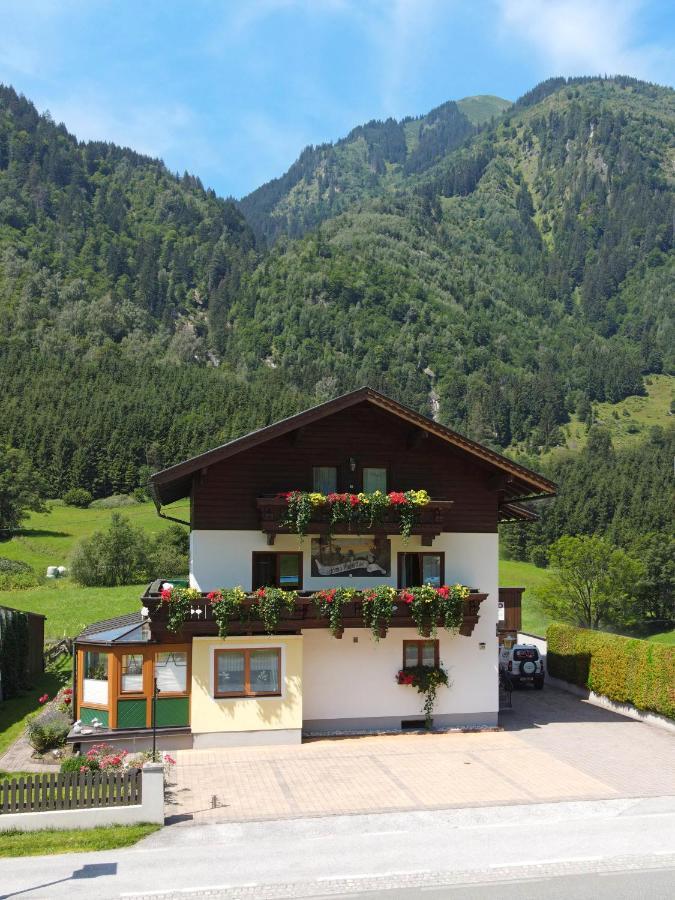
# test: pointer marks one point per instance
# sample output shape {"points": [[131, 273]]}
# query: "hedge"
{"points": [[626, 670]]}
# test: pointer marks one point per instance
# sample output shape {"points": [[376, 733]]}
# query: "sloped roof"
{"points": [[121, 629], [174, 482]]}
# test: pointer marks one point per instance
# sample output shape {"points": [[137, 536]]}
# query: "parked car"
{"points": [[522, 664]]}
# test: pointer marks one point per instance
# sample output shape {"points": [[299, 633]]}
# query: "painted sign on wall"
{"points": [[342, 557]]}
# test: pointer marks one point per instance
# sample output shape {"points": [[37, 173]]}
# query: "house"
{"points": [[271, 682]]}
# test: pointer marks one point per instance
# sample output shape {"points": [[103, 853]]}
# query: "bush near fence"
{"points": [[626, 670]]}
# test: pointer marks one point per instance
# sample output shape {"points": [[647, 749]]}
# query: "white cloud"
{"points": [[583, 36]]}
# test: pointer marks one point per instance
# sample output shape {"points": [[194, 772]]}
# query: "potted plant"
{"points": [[378, 609], [427, 680]]}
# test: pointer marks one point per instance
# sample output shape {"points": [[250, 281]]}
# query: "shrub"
{"points": [[169, 552], [626, 670], [48, 730], [13, 566], [19, 582], [16, 575], [77, 497], [114, 502], [77, 763], [539, 557]]}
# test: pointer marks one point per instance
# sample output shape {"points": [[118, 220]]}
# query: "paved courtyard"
{"points": [[554, 747]]}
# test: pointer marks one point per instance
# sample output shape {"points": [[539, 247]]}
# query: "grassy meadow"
{"points": [[48, 539]]}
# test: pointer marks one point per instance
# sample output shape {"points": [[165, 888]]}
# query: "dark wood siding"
{"points": [[224, 495]]}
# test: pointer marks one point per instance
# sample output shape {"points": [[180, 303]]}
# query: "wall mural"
{"points": [[334, 557]]}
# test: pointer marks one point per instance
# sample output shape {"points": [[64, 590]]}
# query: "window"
{"points": [[247, 673], [415, 569], [95, 678], [171, 672], [420, 653], [282, 570], [324, 479], [132, 673], [374, 480]]}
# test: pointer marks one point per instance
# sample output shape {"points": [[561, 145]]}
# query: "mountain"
{"points": [[525, 274], [500, 276], [372, 159]]}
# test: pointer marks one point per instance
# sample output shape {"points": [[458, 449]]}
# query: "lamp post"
{"points": [[155, 691]]}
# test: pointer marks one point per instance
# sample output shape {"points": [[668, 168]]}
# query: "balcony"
{"points": [[432, 520], [303, 615]]}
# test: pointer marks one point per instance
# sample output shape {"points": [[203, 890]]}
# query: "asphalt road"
{"points": [[414, 854]]}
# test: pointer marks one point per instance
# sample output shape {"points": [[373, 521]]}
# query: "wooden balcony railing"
{"points": [[304, 615], [432, 520]]}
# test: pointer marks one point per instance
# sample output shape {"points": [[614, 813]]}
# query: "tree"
{"points": [[119, 555], [21, 488], [592, 581]]}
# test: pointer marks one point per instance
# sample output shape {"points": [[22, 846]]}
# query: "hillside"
{"points": [[501, 277], [373, 159]]}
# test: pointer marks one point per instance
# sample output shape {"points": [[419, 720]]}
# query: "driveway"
{"points": [[554, 747]]}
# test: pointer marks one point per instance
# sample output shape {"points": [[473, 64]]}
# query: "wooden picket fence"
{"points": [[70, 790]]}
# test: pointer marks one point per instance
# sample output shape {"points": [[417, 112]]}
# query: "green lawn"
{"points": [[49, 539], [665, 637], [14, 713], [513, 573], [43, 843]]}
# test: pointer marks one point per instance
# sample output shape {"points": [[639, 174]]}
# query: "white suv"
{"points": [[522, 664]]}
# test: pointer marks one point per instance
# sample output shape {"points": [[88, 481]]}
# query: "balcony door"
{"points": [[416, 569]]}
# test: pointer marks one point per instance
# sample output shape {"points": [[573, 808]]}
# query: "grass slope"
{"points": [[483, 107], [628, 421]]}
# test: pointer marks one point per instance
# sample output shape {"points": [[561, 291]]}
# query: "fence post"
{"points": [[152, 796]]}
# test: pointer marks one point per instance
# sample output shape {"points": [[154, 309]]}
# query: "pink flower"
{"points": [[165, 594], [84, 768], [43, 699], [171, 761], [407, 597], [443, 592], [214, 597], [396, 498]]}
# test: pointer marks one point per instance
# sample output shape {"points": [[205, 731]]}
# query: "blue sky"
{"points": [[232, 90]]}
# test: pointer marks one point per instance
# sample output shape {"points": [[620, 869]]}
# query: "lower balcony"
{"points": [[200, 618]]}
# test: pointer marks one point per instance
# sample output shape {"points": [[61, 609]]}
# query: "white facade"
{"points": [[350, 683]]}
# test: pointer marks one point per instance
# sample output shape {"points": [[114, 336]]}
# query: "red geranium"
{"points": [[260, 593], [43, 699], [165, 594], [443, 592], [354, 500], [407, 597], [214, 597], [396, 498]]}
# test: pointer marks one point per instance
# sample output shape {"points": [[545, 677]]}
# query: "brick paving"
{"points": [[554, 747]]}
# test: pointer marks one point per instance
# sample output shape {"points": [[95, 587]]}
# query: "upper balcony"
{"points": [[430, 520]]}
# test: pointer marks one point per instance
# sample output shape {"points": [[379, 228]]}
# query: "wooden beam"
{"points": [[499, 482]]}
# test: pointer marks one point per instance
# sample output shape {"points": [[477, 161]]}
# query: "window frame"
{"points": [[384, 469], [277, 566], [333, 466], [247, 693], [419, 644], [188, 673], [135, 693], [401, 565]]}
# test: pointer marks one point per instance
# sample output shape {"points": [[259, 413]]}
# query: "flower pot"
{"points": [[338, 633], [382, 631], [425, 631]]}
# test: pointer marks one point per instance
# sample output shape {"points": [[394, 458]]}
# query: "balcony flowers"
{"points": [[430, 605], [179, 601], [427, 680], [329, 604], [361, 511], [268, 605], [378, 609], [226, 604]]}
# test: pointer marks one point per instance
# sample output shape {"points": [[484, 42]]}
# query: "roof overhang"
{"points": [[516, 481]]}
